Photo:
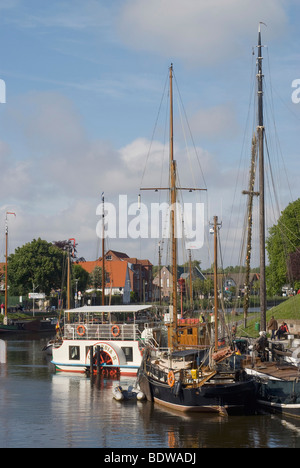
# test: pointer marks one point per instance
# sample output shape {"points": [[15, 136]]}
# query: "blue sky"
{"points": [[84, 81]]}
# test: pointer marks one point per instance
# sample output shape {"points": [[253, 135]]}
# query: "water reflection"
{"points": [[39, 408]]}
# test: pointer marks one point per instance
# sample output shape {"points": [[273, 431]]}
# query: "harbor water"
{"points": [[43, 409]]}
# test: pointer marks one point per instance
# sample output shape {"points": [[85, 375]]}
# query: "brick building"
{"points": [[124, 275]]}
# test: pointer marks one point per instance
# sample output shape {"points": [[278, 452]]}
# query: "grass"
{"points": [[289, 309], [16, 316]]}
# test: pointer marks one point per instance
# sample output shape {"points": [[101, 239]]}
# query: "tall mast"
{"points": [[159, 273], [173, 217], [216, 305], [103, 258], [191, 282], [172, 189], [68, 281], [250, 194], [71, 251], [6, 265], [260, 134], [6, 242]]}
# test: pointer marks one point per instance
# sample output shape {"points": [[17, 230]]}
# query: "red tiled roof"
{"points": [[117, 274], [116, 270], [90, 266]]}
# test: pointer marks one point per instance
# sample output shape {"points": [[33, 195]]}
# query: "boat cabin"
{"points": [[191, 332], [110, 322]]}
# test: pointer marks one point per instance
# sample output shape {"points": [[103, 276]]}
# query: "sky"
{"points": [[85, 83]]}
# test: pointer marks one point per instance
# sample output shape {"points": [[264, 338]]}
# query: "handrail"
{"points": [[100, 331]]}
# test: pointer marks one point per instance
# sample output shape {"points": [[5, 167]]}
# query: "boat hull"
{"points": [[282, 397], [27, 326], [235, 397], [73, 356], [278, 388]]}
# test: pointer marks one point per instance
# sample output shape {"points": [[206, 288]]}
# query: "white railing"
{"points": [[99, 331]]}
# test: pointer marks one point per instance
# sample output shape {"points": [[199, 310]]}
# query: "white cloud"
{"points": [[196, 31], [217, 120]]}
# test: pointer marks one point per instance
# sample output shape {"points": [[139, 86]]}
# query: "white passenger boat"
{"points": [[116, 335]]}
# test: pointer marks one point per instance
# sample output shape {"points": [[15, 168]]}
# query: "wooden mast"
{"points": [[6, 242], [159, 273], [216, 305], [260, 134], [173, 217], [68, 281], [69, 273], [6, 266], [173, 199], [191, 281], [250, 194], [103, 254]]}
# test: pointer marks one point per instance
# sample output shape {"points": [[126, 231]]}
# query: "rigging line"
{"points": [[206, 234], [186, 145], [154, 130], [286, 228], [277, 217], [283, 101], [272, 180], [284, 239], [250, 101], [164, 149], [222, 279], [274, 121], [191, 136], [282, 229]]}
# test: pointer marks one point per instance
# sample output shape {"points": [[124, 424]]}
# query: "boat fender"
{"points": [[80, 330], [141, 396], [171, 378], [177, 388], [115, 331]]}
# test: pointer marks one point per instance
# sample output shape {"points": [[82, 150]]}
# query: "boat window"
{"points": [[74, 353], [128, 351]]}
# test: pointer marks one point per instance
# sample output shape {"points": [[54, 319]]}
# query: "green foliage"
{"points": [[284, 239], [80, 274], [95, 278], [203, 287], [38, 262]]}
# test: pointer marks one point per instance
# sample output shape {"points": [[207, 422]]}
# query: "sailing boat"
{"points": [[278, 382], [188, 376]]}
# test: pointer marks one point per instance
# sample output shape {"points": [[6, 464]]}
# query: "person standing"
{"points": [[273, 325]]}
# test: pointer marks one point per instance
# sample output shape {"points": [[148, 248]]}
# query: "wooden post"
{"points": [[98, 359], [91, 361]]}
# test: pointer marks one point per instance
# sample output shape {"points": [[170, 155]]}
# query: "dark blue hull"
{"points": [[235, 397], [280, 396]]}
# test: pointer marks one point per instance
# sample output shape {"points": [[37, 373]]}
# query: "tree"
{"points": [[95, 278], [70, 247], [283, 240], [36, 264], [80, 274]]}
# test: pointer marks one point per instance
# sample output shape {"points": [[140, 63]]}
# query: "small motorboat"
{"points": [[120, 394]]}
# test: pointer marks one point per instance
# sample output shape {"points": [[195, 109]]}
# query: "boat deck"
{"points": [[275, 369]]}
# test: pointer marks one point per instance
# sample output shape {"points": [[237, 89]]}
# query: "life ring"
{"points": [[80, 330], [115, 330], [171, 378]]}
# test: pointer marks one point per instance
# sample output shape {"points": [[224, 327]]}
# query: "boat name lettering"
{"points": [[111, 352]]}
